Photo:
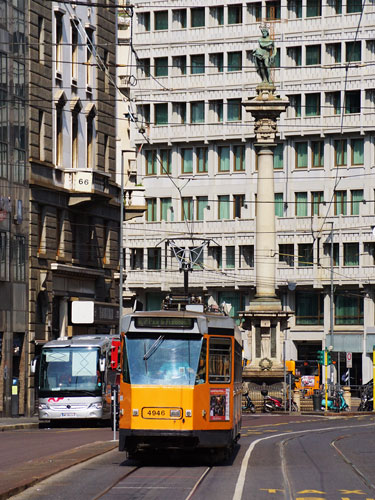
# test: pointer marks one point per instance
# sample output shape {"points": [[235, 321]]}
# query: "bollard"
{"points": [[297, 398], [347, 396]]}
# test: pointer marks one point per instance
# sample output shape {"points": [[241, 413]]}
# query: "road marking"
{"points": [[245, 461], [352, 492]]}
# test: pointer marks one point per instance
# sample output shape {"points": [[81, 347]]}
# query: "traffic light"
{"points": [[320, 357], [329, 358]]}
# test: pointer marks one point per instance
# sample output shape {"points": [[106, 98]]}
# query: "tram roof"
{"points": [[208, 322]]}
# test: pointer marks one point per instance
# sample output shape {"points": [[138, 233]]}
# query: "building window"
{"points": [[317, 148], [353, 101], [340, 198], [217, 61], [278, 157], [246, 256], [74, 49], [305, 255], [144, 67], [238, 204], [165, 160], [223, 158], [334, 52], [317, 201], [161, 66], [272, 11], [309, 308], [341, 146], [313, 8], [313, 56], [154, 258], [337, 6], [187, 209], [202, 205], [294, 9], [197, 112], [161, 20], [197, 17], [4, 256], [234, 61], [90, 140], [255, 11], [239, 158], [59, 40], [357, 152], [161, 114], [187, 161], [179, 19], [295, 106], [19, 258], [136, 258], [151, 162], [74, 136], [144, 23], [234, 110], [179, 111], [166, 210], [215, 254], [89, 56], [230, 253], [202, 160], [151, 210], [353, 51], [356, 198], [301, 154], [235, 14], [216, 111], [286, 254], [3, 158], [279, 205], [217, 15], [336, 252], [348, 310], [223, 207], [59, 135], [41, 135], [41, 39], [312, 105], [301, 204], [179, 65], [353, 6], [295, 54], [197, 64]]}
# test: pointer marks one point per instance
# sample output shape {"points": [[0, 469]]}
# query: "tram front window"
{"points": [[158, 360], [67, 370]]}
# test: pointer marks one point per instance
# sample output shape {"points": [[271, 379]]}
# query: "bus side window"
{"points": [[125, 364], [201, 372], [220, 360]]}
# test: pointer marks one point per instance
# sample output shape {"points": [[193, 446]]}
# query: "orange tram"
{"points": [[181, 380]]}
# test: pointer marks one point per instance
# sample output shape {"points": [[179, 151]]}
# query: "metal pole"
{"points": [[326, 375], [331, 302], [121, 284], [284, 358]]}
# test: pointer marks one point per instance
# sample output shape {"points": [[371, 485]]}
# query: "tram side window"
{"points": [[125, 364], [202, 368], [220, 360]]}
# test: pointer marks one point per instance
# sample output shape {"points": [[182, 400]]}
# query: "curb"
{"points": [[12, 427], [32, 472]]}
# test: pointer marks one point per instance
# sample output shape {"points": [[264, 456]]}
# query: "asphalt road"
{"points": [[278, 458]]}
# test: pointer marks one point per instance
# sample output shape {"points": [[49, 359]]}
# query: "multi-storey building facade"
{"points": [[198, 163], [13, 206], [74, 199]]}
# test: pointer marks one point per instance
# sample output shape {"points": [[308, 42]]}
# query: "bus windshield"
{"points": [[68, 369], [157, 360]]}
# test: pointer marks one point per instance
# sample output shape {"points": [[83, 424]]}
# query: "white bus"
{"points": [[74, 377]]}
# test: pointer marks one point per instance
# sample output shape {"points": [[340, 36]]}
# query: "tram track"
{"points": [[151, 473]]}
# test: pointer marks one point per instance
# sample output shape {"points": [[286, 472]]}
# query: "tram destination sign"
{"points": [[161, 322]]}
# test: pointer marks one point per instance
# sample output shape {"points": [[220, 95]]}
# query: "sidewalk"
{"points": [[12, 423]]}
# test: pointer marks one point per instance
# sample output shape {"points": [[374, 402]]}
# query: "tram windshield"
{"points": [[67, 370], [156, 360]]}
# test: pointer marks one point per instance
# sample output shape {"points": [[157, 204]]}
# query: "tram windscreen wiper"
{"points": [[153, 348]]}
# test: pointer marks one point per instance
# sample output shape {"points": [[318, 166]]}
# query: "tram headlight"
{"points": [[96, 406], [188, 413], [43, 406]]}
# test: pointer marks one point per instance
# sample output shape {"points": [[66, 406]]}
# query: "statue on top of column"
{"points": [[264, 56]]}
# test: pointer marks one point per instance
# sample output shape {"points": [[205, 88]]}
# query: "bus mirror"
{"points": [[33, 365], [102, 364]]}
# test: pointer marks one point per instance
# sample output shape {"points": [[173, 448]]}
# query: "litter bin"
{"points": [[317, 400]]}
